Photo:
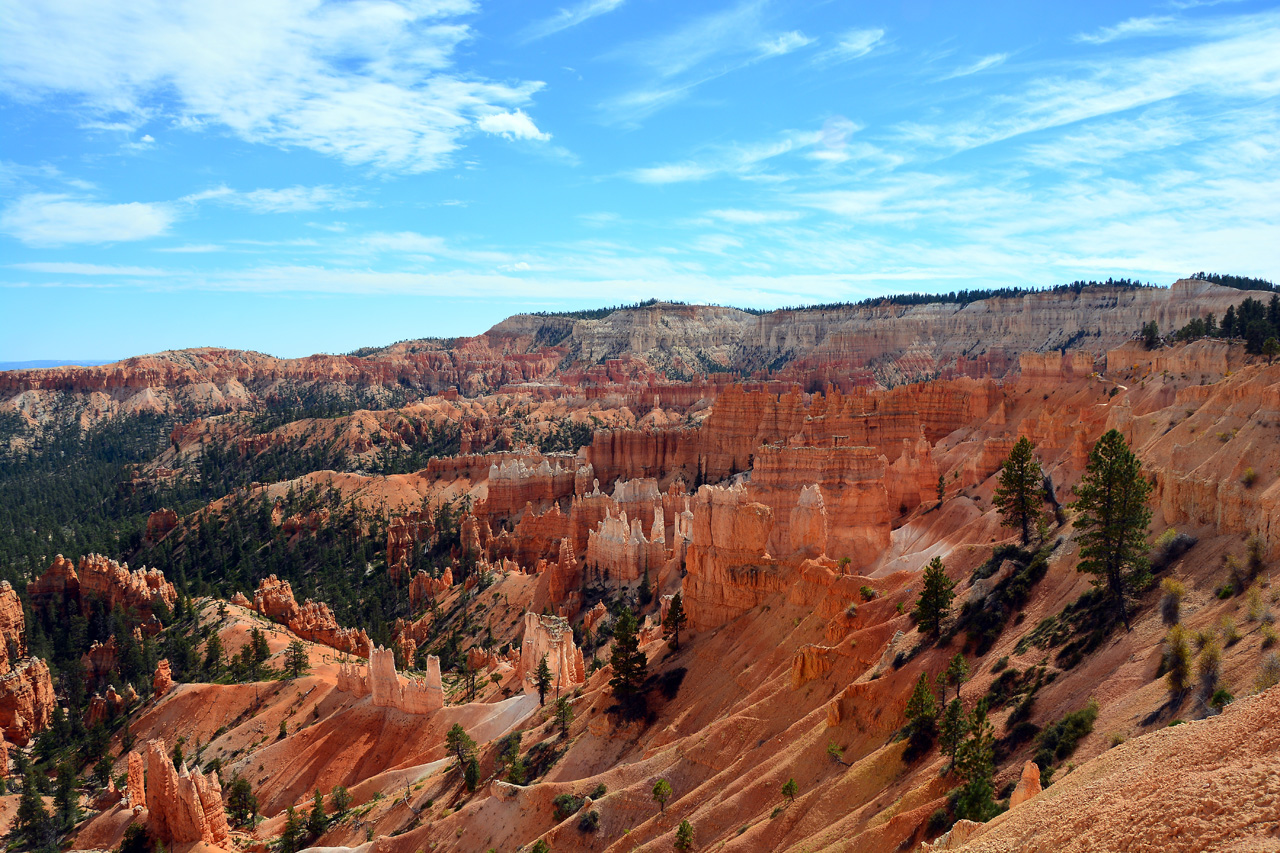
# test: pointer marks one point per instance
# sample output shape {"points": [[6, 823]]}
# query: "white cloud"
{"points": [[1128, 29], [46, 219], [513, 125], [191, 249], [65, 268], [671, 173], [742, 161], [370, 83], [755, 217], [404, 242], [570, 17], [287, 200], [980, 65], [703, 49], [853, 44]]}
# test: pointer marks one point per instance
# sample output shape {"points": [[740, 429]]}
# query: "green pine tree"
{"points": [[317, 821], [975, 759], [1112, 502], [543, 677], [630, 666], [684, 837], [934, 604], [952, 729], [676, 619], [922, 719], [1021, 491]]}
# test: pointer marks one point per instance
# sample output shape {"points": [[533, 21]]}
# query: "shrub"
{"points": [[590, 821], [598, 792], [1209, 667], [1230, 634], [1171, 600], [1268, 673], [1060, 740], [852, 610], [1249, 477], [1255, 551], [1221, 698], [1255, 606], [566, 805], [939, 822], [1236, 573], [1177, 660], [867, 593], [1268, 636]]}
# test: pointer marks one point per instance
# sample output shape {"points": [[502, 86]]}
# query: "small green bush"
{"points": [[1059, 741]]}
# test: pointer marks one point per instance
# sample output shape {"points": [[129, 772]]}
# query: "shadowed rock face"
{"points": [[26, 700], [12, 626], [182, 805]]}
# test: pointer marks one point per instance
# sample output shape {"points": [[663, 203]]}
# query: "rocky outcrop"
{"points": [[183, 805], [514, 485], [810, 662], [620, 548], [550, 637], [100, 660], [424, 589], [159, 523], [103, 707], [404, 533], [162, 681], [13, 644], [1028, 785], [26, 700], [136, 775], [312, 620], [729, 567], [390, 690], [98, 578]]}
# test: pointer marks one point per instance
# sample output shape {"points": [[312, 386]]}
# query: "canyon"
{"points": [[790, 497]]}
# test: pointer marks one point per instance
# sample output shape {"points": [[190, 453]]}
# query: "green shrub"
{"points": [[590, 821], [1059, 741], [566, 805]]}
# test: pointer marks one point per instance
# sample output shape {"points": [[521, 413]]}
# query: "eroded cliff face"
{"points": [[98, 578], [311, 620], [26, 700], [183, 805], [12, 627]]}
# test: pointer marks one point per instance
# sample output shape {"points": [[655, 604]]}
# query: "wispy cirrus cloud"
{"points": [[66, 268], [53, 219], [746, 161], [703, 49], [371, 83], [853, 44], [293, 199], [990, 61], [568, 17], [1130, 28]]}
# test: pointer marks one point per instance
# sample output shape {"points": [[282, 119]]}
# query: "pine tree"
{"points": [[942, 488], [935, 599], [957, 672], [630, 666], [1228, 327], [32, 822], [976, 763], [458, 742], [1021, 491], [564, 715], [790, 789], [952, 730], [675, 620], [66, 801], [1112, 501], [291, 835], [684, 836], [922, 719], [296, 662], [543, 677], [341, 799], [317, 821], [661, 792], [242, 805], [213, 656]]}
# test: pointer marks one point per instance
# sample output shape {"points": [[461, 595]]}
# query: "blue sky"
{"points": [[296, 176]]}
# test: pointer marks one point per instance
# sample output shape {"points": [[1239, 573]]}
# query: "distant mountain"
{"points": [[51, 362]]}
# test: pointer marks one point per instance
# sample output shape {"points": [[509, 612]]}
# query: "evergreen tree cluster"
{"points": [[1253, 322]]}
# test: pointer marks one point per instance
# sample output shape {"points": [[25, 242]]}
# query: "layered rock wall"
{"points": [[26, 700]]}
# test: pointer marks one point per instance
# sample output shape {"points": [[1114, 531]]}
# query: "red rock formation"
{"points": [[103, 707], [162, 681], [12, 627], [26, 700], [404, 534], [97, 577], [595, 616], [183, 806], [513, 485], [160, 523], [239, 600], [424, 589], [1028, 785], [311, 620], [136, 775], [390, 690], [620, 547], [550, 637], [100, 660], [729, 568]]}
